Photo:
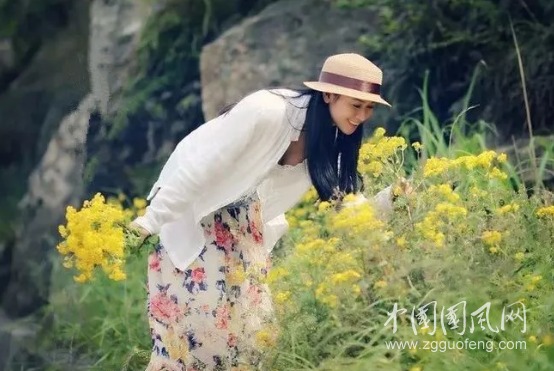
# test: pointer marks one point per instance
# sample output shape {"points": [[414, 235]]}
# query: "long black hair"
{"points": [[332, 156]]}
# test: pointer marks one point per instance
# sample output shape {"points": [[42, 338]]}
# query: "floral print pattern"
{"points": [[210, 316]]}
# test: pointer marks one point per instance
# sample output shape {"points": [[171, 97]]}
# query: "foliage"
{"points": [[98, 325], [465, 235], [450, 38]]}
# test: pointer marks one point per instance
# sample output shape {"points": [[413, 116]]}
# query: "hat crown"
{"points": [[354, 66]]}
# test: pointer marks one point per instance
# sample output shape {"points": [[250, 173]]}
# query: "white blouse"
{"points": [[221, 161]]}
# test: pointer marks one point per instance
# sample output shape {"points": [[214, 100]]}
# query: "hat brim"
{"points": [[331, 88]]}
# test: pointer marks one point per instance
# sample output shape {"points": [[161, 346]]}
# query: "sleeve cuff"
{"points": [[383, 201], [147, 224]]}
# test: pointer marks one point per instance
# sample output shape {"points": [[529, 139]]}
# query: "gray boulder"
{"points": [[283, 45]]}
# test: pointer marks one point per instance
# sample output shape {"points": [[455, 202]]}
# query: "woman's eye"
{"points": [[357, 105]]}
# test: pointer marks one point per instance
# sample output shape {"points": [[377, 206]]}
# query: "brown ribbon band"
{"points": [[350, 83]]}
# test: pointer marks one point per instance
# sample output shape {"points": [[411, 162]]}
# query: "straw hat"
{"points": [[352, 75]]}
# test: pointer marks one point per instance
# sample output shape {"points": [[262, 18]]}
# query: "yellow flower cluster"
{"points": [[545, 211], [94, 236], [327, 292], [375, 153], [512, 207], [310, 246], [357, 219], [417, 146], [267, 337], [485, 160], [444, 190], [345, 276], [276, 274], [492, 239], [430, 227], [140, 205], [282, 297]]}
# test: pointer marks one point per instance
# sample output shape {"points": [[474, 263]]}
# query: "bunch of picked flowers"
{"points": [[99, 236]]}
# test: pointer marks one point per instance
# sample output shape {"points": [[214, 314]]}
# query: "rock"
{"points": [[114, 30], [284, 45], [13, 337], [54, 184], [7, 56], [50, 85]]}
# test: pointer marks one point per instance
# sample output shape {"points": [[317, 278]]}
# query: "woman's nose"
{"points": [[363, 116]]}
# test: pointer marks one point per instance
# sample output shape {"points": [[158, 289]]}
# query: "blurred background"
{"points": [[94, 95]]}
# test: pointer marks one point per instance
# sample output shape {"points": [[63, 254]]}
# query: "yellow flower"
{"points": [[519, 256], [357, 219], [417, 146], [63, 231], [401, 241], [94, 237], [446, 191], [544, 211], [345, 276], [533, 339], [493, 249], [265, 338], [380, 284], [439, 239], [139, 203], [491, 237], [323, 294], [379, 132], [276, 274], [376, 152], [476, 192], [324, 205], [415, 368], [350, 197], [548, 340], [374, 167], [451, 210], [502, 158], [282, 297], [496, 173], [397, 190], [507, 208]]}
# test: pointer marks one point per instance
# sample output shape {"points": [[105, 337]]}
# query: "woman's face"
{"points": [[348, 113]]}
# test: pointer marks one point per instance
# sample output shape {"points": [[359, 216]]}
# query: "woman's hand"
{"points": [[143, 233]]}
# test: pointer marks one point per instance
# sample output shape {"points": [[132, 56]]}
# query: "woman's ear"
{"points": [[327, 97]]}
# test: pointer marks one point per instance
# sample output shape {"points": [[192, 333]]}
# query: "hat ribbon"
{"points": [[349, 82]]}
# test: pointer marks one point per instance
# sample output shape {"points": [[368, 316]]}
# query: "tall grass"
{"points": [[97, 326]]}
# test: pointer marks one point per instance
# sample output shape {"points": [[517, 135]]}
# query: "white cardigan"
{"points": [[221, 160]]}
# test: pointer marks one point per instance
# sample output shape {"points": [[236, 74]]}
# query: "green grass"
{"points": [[102, 325]]}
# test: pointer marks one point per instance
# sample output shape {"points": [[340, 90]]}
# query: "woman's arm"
{"points": [[208, 153], [383, 201]]}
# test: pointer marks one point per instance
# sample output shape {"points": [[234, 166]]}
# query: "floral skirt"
{"points": [[217, 314]]}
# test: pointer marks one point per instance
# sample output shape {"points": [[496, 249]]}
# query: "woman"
{"points": [[219, 207]]}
